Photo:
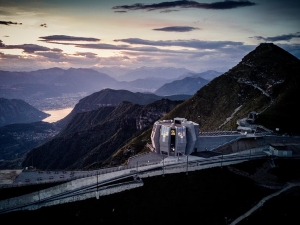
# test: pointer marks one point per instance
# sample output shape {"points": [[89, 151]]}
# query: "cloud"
{"points": [[193, 43], [86, 54], [169, 10], [44, 60], [284, 37], [120, 11], [67, 38], [56, 50], [5, 13], [50, 55], [95, 46], [9, 23], [177, 29], [124, 47], [185, 4], [27, 48]]}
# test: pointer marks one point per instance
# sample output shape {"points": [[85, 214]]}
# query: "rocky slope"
{"points": [[265, 81], [90, 138]]}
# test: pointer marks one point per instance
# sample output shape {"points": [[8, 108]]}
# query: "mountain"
{"points": [[90, 138], [148, 84], [59, 88], [160, 72], [111, 97], [187, 86], [113, 71], [52, 83], [18, 111], [71, 80], [265, 81], [207, 75]]}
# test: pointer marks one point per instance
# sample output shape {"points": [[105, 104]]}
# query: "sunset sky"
{"points": [[196, 35]]}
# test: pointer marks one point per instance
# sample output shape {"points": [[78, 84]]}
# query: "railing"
{"points": [[115, 169], [88, 174], [218, 133]]}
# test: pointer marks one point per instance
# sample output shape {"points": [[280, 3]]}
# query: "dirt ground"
{"points": [[8, 176]]}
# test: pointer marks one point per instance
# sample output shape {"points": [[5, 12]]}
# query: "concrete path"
{"points": [[261, 202]]}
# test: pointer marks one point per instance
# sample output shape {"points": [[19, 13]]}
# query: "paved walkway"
{"points": [[261, 202]]}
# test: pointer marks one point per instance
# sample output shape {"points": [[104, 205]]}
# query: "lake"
{"points": [[57, 114]]}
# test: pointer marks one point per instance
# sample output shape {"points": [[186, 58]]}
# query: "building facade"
{"points": [[174, 137]]}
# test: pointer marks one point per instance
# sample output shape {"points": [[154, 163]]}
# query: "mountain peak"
{"points": [[268, 52], [266, 65]]}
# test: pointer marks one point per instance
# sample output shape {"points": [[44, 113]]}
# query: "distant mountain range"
{"points": [[167, 73], [37, 87], [207, 75], [52, 82], [186, 86], [18, 111]]}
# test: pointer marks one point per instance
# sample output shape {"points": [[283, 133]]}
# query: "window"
{"points": [[164, 132], [181, 134]]}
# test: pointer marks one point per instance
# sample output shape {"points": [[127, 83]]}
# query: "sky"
{"points": [[196, 35]]}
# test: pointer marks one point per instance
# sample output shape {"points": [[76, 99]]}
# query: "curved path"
{"points": [[261, 202]]}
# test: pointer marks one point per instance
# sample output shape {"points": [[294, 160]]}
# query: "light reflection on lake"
{"points": [[56, 114]]}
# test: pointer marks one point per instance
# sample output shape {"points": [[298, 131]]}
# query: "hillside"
{"points": [[92, 137], [111, 97], [18, 111], [265, 81]]}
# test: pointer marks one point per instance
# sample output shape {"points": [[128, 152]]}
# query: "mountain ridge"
{"points": [[253, 86], [89, 145]]}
